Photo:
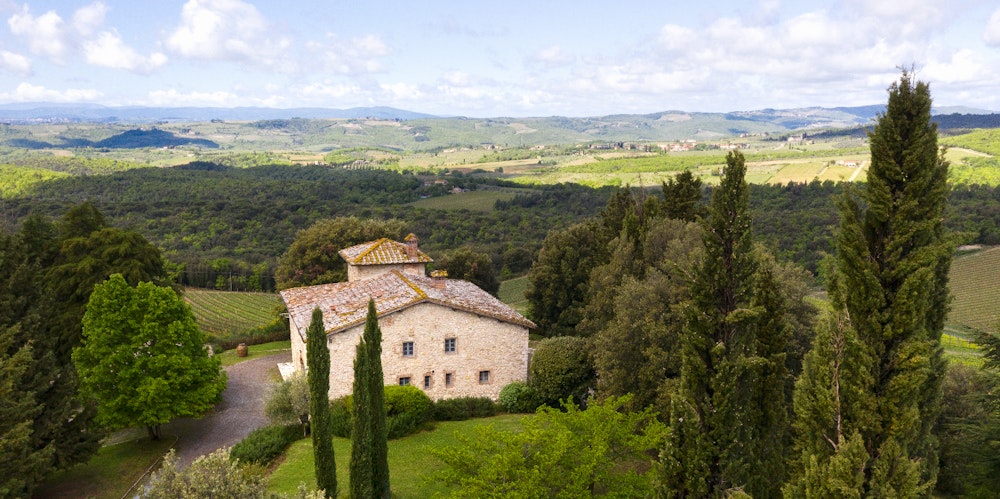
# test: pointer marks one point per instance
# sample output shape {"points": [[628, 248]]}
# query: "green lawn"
{"points": [[110, 473], [409, 462], [472, 201], [229, 357]]}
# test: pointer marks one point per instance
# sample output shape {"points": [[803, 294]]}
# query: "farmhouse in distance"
{"points": [[445, 336]]}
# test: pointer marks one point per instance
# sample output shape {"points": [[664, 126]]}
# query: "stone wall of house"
{"points": [[359, 272], [298, 347], [481, 344]]}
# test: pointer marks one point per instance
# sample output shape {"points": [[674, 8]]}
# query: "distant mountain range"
{"points": [[130, 126]]}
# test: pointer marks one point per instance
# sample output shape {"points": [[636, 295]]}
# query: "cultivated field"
{"points": [[227, 312], [975, 285]]}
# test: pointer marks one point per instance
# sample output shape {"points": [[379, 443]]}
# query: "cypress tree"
{"points": [[369, 438], [729, 416], [318, 360], [890, 285]]}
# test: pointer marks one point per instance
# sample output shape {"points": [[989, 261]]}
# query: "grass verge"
{"points": [[110, 473], [229, 357], [409, 462]]}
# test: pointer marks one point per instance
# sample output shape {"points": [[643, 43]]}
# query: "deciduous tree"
{"points": [[143, 358]]}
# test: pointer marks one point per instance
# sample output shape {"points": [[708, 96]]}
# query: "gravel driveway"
{"points": [[240, 412]]}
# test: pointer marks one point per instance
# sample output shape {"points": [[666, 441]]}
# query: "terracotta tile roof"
{"points": [[381, 252], [345, 304]]}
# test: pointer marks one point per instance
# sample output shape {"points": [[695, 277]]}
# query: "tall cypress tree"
{"points": [[890, 282], [318, 360], [369, 441], [729, 417]]}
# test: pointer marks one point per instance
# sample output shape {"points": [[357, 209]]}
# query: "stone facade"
{"points": [[489, 339], [481, 344]]}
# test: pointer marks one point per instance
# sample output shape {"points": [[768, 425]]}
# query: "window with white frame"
{"points": [[449, 345], [407, 349]]}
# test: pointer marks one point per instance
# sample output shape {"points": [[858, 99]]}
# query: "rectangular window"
{"points": [[484, 376], [449, 345], [447, 379], [427, 381], [407, 349], [403, 381]]}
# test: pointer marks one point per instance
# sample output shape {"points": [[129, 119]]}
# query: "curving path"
{"points": [[240, 411]]}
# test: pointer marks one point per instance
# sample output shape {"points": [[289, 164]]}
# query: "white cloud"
{"points": [[552, 57], [992, 34], [964, 66], [46, 34], [88, 19], [15, 63], [227, 30], [356, 56], [108, 50], [26, 92]]}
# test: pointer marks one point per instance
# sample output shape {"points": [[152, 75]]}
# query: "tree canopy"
{"points": [[143, 358]]}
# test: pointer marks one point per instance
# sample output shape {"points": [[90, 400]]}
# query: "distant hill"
{"points": [[26, 113], [129, 139]]}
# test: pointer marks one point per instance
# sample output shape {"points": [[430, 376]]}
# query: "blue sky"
{"points": [[486, 58]]}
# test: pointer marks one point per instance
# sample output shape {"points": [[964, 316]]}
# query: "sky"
{"points": [[490, 59]]}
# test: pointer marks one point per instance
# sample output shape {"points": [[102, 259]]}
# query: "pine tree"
{"points": [[318, 361], [369, 438], [890, 285], [729, 417]]}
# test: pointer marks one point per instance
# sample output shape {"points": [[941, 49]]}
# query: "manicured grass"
{"points": [[227, 312], [229, 357], [410, 464], [976, 290], [110, 473]]}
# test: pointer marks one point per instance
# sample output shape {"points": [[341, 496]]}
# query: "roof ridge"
{"points": [[375, 244], [420, 292]]}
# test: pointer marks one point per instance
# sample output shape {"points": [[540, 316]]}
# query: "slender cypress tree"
{"points": [[369, 440], [890, 283], [318, 360], [729, 417]]}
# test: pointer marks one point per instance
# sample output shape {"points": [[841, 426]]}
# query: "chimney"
{"points": [[439, 279], [411, 246]]}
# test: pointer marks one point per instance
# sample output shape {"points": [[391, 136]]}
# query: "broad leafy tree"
{"points": [[289, 402], [559, 279], [369, 438], [729, 416], [560, 369], [321, 423], [470, 265], [313, 257], [890, 284], [143, 358]]}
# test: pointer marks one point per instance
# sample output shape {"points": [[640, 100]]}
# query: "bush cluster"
{"points": [[263, 445], [408, 409], [460, 409], [518, 397]]}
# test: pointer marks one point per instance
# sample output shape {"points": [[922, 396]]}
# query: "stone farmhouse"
{"points": [[445, 336]]}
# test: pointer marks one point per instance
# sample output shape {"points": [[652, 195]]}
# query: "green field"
{"points": [[472, 201], [975, 286], [229, 312], [110, 473], [512, 293], [410, 464]]}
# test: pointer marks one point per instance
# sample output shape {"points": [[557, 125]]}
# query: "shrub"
{"points": [[407, 409], [263, 445], [517, 397], [460, 409], [561, 368], [214, 475], [341, 411]]}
